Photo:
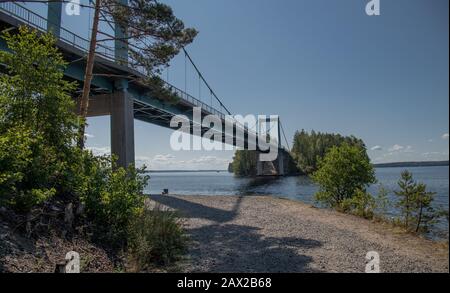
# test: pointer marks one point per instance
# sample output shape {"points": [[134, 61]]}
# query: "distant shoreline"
{"points": [[412, 164]]}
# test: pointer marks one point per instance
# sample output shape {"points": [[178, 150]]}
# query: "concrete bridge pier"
{"points": [[273, 168], [119, 106], [280, 161], [122, 128]]}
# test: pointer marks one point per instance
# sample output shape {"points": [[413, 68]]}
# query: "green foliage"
{"points": [[37, 120], [39, 160], [342, 172], [156, 236], [244, 163], [415, 203], [382, 202], [309, 148], [159, 89], [156, 33], [112, 197], [362, 204]]}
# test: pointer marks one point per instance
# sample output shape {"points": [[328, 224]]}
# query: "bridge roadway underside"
{"points": [[117, 91]]}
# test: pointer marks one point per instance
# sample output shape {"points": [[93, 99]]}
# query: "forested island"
{"points": [[308, 149]]}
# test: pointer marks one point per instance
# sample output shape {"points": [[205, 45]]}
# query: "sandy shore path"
{"points": [[266, 234]]}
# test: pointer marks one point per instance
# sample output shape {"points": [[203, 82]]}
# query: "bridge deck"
{"points": [[146, 107], [108, 70]]}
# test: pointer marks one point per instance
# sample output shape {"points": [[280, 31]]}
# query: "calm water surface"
{"points": [[297, 188]]}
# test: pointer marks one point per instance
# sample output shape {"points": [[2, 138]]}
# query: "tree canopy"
{"points": [[308, 148], [342, 172]]}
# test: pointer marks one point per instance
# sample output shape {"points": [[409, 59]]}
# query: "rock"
{"points": [[68, 214], [80, 209]]}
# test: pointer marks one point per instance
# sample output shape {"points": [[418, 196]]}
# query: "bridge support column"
{"points": [[259, 167], [280, 160], [122, 128], [54, 13]]}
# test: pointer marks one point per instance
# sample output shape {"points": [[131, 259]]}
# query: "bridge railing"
{"points": [[39, 22]]}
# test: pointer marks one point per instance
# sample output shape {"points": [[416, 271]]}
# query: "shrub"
{"points": [[382, 202], [362, 204], [156, 237], [342, 172], [39, 160], [112, 196], [37, 120], [415, 203]]}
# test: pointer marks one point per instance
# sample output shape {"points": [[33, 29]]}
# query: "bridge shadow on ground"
{"points": [[228, 247], [189, 209], [239, 248]]}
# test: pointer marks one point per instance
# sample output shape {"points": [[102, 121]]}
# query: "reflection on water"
{"points": [[297, 188]]}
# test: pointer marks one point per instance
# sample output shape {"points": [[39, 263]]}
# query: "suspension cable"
{"points": [[185, 73], [196, 68], [284, 135]]}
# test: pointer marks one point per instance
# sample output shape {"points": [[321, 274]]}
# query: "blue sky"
{"points": [[319, 64]]}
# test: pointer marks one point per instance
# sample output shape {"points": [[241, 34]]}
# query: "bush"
{"points": [[39, 161], [155, 237], [37, 121], [415, 204], [342, 173], [362, 204], [112, 196]]}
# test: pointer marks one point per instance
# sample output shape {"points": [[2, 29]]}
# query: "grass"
{"points": [[156, 238]]}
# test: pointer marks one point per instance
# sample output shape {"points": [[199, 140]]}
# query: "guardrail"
{"points": [[39, 22]]}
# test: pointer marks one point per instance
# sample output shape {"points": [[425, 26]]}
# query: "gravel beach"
{"points": [[267, 234]]}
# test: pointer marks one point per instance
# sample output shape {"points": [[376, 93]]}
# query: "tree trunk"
{"points": [[420, 217], [84, 103], [407, 213]]}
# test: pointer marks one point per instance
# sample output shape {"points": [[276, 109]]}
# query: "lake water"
{"points": [[297, 188]]}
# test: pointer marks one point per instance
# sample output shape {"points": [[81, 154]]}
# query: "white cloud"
{"points": [[100, 151], [436, 155], [396, 148], [163, 158], [169, 162], [209, 160], [445, 136], [88, 135], [430, 140], [376, 148]]}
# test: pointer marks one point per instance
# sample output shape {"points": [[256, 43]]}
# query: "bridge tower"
{"points": [[54, 13], [276, 167]]}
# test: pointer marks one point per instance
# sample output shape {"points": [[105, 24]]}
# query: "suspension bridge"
{"points": [[125, 99]]}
